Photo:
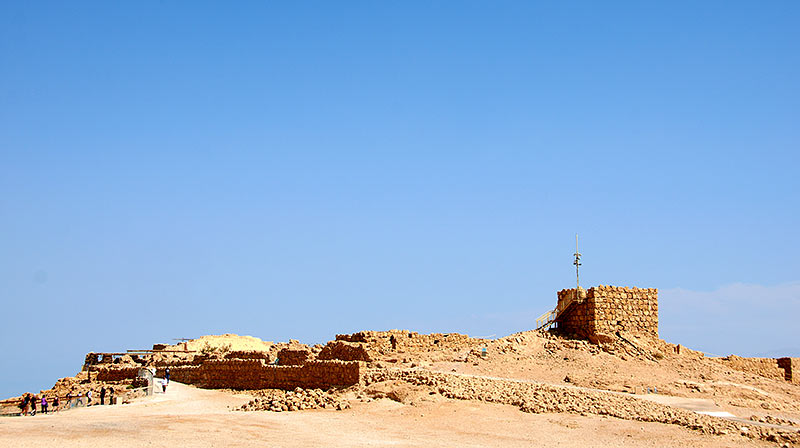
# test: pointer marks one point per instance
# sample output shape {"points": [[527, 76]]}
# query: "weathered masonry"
{"points": [[775, 368], [791, 369], [256, 374], [603, 311], [238, 370]]}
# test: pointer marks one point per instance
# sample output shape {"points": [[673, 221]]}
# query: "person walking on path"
{"points": [[89, 398], [44, 404], [102, 396], [26, 400], [33, 405], [166, 375], [110, 395], [55, 403]]}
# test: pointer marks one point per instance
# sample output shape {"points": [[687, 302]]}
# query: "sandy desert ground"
{"points": [[187, 416]]}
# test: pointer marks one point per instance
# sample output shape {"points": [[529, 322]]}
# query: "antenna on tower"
{"points": [[577, 264]]}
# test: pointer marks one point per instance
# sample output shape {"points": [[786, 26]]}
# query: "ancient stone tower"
{"points": [[602, 311]]}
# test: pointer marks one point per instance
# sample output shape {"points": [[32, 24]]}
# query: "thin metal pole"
{"points": [[577, 264]]}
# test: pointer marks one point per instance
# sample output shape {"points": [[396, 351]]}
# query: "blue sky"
{"points": [[297, 170]]}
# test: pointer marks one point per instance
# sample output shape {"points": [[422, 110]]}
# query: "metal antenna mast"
{"points": [[577, 264]]}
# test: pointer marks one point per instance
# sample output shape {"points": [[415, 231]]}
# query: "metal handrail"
{"points": [[548, 318], [545, 319]]}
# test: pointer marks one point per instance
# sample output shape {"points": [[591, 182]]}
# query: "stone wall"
{"points": [[605, 310], [404, 340], [791, 368], [294, 357], [787, 369], [575, 317], [251, 371], [766, 367], [345, 351], [241, 369], [114, 373], [256, 374], [94, 359]]}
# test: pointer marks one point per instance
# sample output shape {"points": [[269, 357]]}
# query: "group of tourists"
{"points": [[28, 403]]}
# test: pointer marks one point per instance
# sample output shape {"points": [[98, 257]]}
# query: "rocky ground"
{"points": [[297, 400]]}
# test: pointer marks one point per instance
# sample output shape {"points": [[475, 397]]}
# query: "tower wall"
{"points": [[608, 309]]}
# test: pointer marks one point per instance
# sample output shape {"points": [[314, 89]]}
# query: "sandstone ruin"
{"points": [[601, 315], [609, 329], [602, 311], [338, 364]]}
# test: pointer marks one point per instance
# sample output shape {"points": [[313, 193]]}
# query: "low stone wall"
{"points": [[404, 340], [245, 374], [766, 367]]}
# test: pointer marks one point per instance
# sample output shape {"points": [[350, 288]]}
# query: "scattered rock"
{"points": [[400, 391], [546, 398], [276, 400]]}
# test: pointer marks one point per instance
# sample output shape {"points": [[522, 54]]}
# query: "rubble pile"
{"points": [[299, 399], [773, 420], [395, 390]]}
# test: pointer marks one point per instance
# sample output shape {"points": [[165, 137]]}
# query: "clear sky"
{"points": [[301, 169]]}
